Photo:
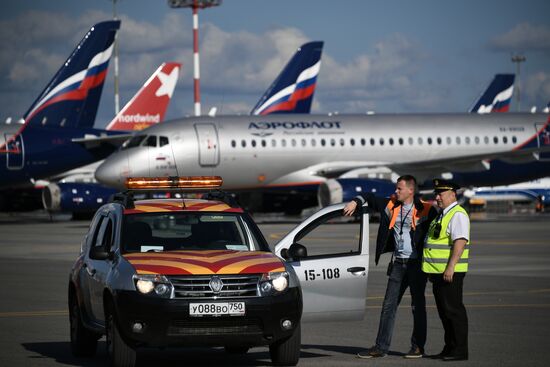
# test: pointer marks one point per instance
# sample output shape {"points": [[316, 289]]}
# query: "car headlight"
{"points": [[274, 283], [153, 284]]}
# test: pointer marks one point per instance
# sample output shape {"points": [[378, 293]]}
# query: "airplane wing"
{"points": [[91, 141]]}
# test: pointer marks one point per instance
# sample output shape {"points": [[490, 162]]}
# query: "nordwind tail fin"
{"points": [[497, 96], [292, 91], [149, 104], [71, 98]]}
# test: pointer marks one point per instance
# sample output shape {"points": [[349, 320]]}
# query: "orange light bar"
{"points": [[186, 182]]}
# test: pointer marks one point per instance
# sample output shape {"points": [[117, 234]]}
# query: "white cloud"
{"points": [[523, 37], [537, 89]]}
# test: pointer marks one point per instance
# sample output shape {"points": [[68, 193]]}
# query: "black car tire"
{"points": [[83, 341], [287, 352], [236, 350], [120, 353]]}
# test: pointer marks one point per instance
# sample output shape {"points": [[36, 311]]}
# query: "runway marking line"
{"points": [[34, 313]]}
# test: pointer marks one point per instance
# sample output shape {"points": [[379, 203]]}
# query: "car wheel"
{"points": [[236, 350], [287, 352], [83, 341], [120, 353]]}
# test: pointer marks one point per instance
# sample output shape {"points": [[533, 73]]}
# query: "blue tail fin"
{"points": [[497, 96], [72, 96], [292, 91]]}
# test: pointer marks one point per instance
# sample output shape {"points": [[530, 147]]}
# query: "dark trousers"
{"points": [[404, 275], [448, 297]]}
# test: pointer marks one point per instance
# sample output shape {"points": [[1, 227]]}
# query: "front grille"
{"points": [[215, 326], [197, 286]]}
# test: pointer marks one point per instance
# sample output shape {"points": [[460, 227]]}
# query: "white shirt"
{"points": [[459, 225]]}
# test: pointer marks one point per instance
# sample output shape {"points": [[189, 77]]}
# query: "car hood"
{"points": [[204, 262]]}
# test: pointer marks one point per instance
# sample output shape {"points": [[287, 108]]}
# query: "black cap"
{"points": [[441, 185]]}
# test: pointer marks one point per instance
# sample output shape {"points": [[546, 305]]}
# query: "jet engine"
{"points": [[340, 190]]}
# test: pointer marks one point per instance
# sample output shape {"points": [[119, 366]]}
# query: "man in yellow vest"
{"points": [[404, 221], [445, 260]]}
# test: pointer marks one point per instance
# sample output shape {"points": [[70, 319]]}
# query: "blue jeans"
{"points": [[404, 275]]}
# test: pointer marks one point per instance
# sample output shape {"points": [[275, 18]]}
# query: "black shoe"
{"points": [[415, 352], [456, 357], [373, 352], [444, 353]]}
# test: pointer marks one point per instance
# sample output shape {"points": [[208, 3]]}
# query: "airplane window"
{"points": [[449, 140], [486, 140], [372, 141], [352, 142], [495, 139], [439, 141], [411, 141], [263, 143], [134, 142], [303, 142], [283, 143], [458, 140], [400, 141], [391, 141], [323, 142], [381, 141], [476, 139], [363, 142], [467, 140], [293, 142], [163, 140], [332, 142], [151, 141], [313, 142], [273, 143], [233, 143], [253, 143], [342, 142], [243, 143], [419, 141], [514, 139], [505, 140], [429, 141]]}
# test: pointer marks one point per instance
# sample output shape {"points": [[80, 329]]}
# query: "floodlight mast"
{"points": [[195, 5]]}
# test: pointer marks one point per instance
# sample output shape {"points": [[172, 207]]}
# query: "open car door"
{"points": [[333, 267]]}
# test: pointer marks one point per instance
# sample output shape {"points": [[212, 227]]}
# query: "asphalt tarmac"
{"points": [[507, 296]]}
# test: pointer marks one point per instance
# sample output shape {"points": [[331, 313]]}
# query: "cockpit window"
{"points": [[151, 141], [158, 232], [163, 140], [133, 142]]}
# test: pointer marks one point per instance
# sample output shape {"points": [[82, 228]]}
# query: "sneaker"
{"points": [[415, 352], [373, 352]]}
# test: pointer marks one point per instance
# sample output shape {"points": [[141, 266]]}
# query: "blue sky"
{"points": [[387, 56]]}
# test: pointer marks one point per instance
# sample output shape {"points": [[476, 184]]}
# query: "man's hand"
{"points": [[448, 274], [349, 209]]}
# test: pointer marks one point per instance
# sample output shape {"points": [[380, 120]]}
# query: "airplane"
{"points": [[77, 191], [278, 151], [57, 132], [497, 96], [522, 192], [292, 91]]}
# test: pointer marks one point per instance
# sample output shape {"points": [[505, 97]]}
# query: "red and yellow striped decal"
{"points": [[204, 262], [170, 205]]}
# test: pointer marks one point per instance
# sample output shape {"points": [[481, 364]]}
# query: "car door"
{"points": [[333, 275]]}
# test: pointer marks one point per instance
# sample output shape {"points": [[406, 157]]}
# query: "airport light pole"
{"points": [[115, 46], [518, 59], [195, 5]]}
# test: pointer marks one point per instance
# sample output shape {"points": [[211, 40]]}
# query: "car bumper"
{"points": [[166, 322]]}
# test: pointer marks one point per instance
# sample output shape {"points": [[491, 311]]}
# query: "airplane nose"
{"points": [[107, 174]]}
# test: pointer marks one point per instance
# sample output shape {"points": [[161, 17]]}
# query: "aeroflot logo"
{"points": [[295, 125], [140, 118]]}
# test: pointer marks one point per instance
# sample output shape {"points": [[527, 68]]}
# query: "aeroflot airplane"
{"points": [[44, 145], [497, 96], [277, 151]]}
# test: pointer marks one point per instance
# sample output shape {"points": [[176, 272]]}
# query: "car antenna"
{"points": [[178, 175]]}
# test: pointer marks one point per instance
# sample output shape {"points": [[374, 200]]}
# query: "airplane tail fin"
{"points": [[72, 96], [292, 91], [497, 96], [149, 104]]}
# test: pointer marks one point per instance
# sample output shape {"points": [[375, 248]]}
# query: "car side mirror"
{"points": [[294, 252], [99, 253]]}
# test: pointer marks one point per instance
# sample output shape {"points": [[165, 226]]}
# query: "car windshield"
{"points": [[157, 232]]}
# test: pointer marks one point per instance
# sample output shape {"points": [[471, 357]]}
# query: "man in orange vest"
{"points": [[404, 221]]}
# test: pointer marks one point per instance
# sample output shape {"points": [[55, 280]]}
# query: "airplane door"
{"points": [[543, 140], [207, 137], [333, 275], [15, 151]]}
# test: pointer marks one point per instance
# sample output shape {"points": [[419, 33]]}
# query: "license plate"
{"points": [[217, 309]]}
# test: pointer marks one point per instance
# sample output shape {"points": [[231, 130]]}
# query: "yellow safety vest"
{"points": [[437, 250]]}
